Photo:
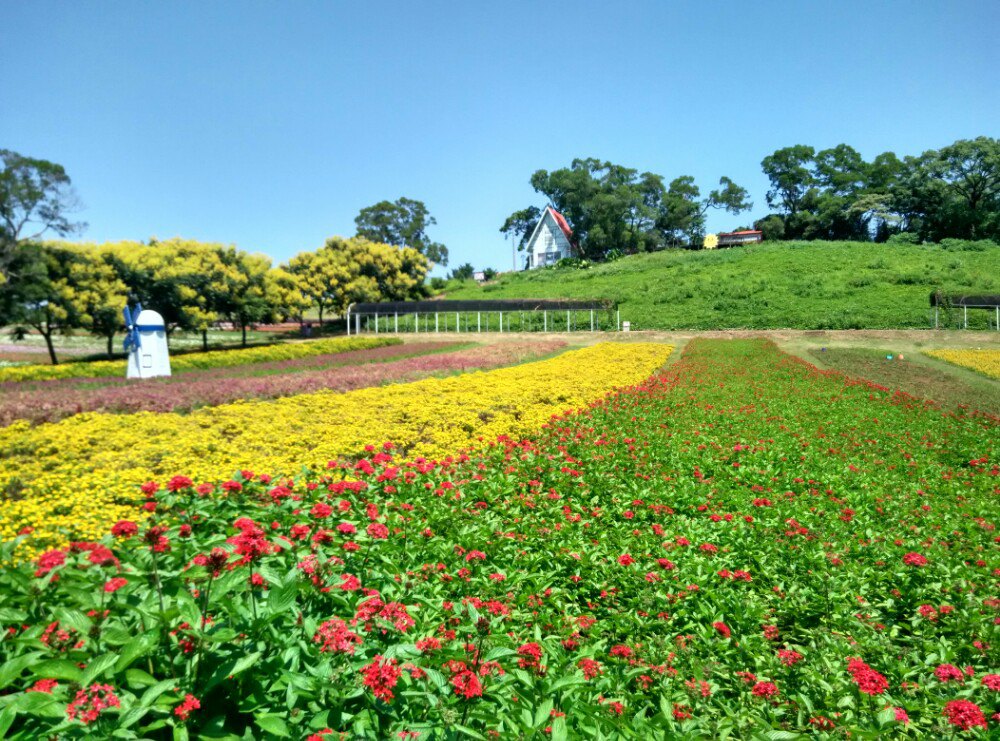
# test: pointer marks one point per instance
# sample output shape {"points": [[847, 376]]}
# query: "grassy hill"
{"points": [[805, 285]]}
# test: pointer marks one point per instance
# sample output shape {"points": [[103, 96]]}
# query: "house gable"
{"points": [[550, 240]]}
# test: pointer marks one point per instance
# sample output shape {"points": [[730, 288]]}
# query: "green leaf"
{"points": [[57, 669], [559, 729], [543, 712], [273, 724], [97, 667], [7, 716], [281, 599], [40, 703], [468, 732], [150, 695], [134, 649], [12, 669], [232, 668], [886, 716], [139, 678]]}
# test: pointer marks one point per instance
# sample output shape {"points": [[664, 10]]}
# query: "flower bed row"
{"points": [[986, 362], [198, 361], [67, 479], [743, 547], [56, 400]]}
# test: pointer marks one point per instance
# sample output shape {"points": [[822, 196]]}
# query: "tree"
{"points": [[463, 272], [970, 171], [320, 278], [611, 207], [402, 223], [284, 298], [242, 294], [791, 176], [521, 224], [36, 197], [100, 292], [44, 296]]}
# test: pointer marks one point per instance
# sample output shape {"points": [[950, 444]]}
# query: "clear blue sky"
{"points": [[270, 124]]}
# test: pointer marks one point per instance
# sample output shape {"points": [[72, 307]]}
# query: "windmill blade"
{"points": [[138, 309], [128, 316]]}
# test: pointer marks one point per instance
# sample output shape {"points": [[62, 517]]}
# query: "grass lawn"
{"points": [[805, 285]]}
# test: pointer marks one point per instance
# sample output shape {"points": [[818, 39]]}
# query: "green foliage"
{"points": [[36, 197], [806, 285], [612, 207], [402, 223]]}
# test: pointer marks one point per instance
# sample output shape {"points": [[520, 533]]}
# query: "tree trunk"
{"points": [[52, 350], [321, 317], [204, 340], [111, 345], [244, 328]]}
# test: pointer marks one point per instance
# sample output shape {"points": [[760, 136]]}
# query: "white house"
{"points": [[550, 241]]}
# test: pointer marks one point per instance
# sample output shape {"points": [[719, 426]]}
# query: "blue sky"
{"points": [[270, 124]]}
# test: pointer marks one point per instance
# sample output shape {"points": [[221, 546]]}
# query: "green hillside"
{"points": [[805, 285]]}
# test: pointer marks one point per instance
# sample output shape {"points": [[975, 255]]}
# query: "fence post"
{"points": [[357, 324], [479, 321], [396, 322], [501, 322], [618, 320], [435, 322], [376, 323], [966, 321], [545, 320], [591, 320]]}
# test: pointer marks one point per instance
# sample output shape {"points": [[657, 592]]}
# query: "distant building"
{"points": [[729, 239], [551, 241], [479, 276]]}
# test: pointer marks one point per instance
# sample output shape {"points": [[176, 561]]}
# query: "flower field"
{"points": [[198, 361], [50, 401], [66, 480], [741, 546], [986, 362]]}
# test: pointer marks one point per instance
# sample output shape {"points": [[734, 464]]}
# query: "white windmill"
{"points": [[146, 343]]}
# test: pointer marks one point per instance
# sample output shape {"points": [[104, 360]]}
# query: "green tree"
{"points": [[791, 176], [401, 223], [521, 224], [36, 197], [45, 297], [462, 272]]}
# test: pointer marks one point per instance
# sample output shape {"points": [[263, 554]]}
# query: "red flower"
{"points": [[150, 488], [868, 680], [589, 667], [467, 685], [475, 556], [189, 705], [381, 676], [378, 530], [113, 585], [992, 682], [334, 636], [901, 716], [789, 657], [949, 673], [531, 656], [964, 714], [124, 529], [723, 629], [616, 708], [179, 482], [321, 509], [915, 559], [48, 561], [346, 528], [43, 685], [764, 689], [89, 703]]}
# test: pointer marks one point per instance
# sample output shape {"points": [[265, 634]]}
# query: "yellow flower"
{"points": [[986, 362], [74, 478]]}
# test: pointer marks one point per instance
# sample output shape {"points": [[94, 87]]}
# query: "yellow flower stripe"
{"points": [[199, 361], [986, 362], [73, 478]]}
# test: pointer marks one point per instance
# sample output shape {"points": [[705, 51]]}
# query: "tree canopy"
{"points": [[401, 223], [36, 196], [612, 207]]}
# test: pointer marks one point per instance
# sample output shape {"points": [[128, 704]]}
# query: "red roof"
{"points": [[563, 224], [732, 234]]}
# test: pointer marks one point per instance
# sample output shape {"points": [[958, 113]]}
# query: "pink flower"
{"points": [[949, 673]]}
